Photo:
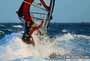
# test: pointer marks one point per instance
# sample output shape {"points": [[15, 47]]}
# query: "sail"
{"points": [[50, 12], [37, 11], [36, 15], [42, 10]]}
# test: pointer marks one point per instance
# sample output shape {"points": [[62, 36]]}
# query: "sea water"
{"points": [[64, 39]]}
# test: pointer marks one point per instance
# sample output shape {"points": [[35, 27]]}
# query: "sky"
{"points": [[65, 10]]}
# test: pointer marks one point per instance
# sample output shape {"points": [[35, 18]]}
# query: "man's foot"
{"points": [[28, 40], [31, 41]]}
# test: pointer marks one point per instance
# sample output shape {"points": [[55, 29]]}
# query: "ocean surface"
{"points": [[71, 39]]}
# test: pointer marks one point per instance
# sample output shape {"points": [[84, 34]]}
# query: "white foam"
{"points": [[82, 36], [69, 36], [18, 49], [43, 48], [17, 26], [64, 30]]}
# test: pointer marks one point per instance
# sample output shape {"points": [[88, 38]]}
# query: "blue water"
{"points": [[75, 37], [54, 29]]}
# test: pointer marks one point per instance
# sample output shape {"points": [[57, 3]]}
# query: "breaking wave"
{"points": [[12, 47]]}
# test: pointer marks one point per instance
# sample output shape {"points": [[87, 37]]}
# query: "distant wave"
{"points": [[1, 32], [10, 30], [2, 25], [17, 26], [64, 30]]}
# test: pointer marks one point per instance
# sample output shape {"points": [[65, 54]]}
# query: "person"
{"points": [[24, 13], [30, 26]]}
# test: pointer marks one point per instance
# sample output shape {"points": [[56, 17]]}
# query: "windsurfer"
{"points": [[30, 26]]}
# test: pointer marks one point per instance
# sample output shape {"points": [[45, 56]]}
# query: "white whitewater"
{"points": [[16, 49]]}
